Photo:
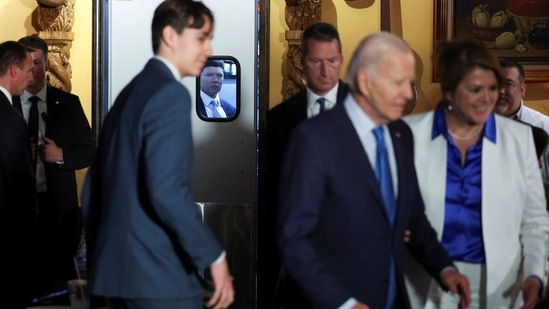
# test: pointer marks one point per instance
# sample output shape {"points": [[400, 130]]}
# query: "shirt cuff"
{"points": [[220, 258], [348, 304], [541, 288]]}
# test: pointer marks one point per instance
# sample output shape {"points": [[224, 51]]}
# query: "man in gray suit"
{"points": [[146, 241]]}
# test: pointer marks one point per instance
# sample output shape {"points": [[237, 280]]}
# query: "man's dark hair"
{"points": [[35, 43], [214, 63], [11, 53], [506, 63], [320, 32], [179, 14]]}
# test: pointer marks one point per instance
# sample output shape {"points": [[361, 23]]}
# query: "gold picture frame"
{"points": [[451, 18]]}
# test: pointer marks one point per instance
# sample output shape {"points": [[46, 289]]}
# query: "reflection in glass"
{"points": [[218, 89]]}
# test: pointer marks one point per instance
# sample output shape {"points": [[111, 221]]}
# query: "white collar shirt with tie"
{"points": [[42, 110], [313, 108], [364, 126], [211, 110]]}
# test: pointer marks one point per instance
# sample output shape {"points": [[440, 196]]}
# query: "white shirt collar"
{"points": [[313, 108], [170, 66], [519, 112], [41, 95], [207, 99], [6, 93]]}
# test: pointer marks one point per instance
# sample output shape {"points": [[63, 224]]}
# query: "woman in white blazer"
{"points": [[482, 187]]}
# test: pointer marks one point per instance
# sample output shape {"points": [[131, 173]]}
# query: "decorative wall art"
{"points": [[514, 29]]}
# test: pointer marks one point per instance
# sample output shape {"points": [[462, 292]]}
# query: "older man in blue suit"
{"points": [[146, 241], [349, 191]]}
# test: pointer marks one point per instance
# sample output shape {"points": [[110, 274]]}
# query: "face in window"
{"points": [[211, 80]]}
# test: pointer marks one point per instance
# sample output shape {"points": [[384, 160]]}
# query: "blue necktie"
{"points": [[322, 103], [213, 106], [383, 175], [384, 178]]}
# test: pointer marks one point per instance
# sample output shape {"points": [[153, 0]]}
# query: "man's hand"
{"points": [[360, 305], [457, 283], [530, 292], [50, 152], [223, 294], [407, 235]]}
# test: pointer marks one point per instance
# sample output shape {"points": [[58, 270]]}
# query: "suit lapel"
{"points": [[17, 104], [51, 101], [357, 155]]}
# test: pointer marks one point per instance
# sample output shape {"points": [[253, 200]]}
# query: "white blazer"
{"points": [[515, 222]]}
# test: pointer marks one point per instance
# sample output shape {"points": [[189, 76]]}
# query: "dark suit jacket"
{"points": [[17, 199], [281, 121], [333, 229], [145, 235], [68, 126], [230, 110]]}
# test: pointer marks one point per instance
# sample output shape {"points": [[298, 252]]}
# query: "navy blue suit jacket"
{"points": [[145, 235], [333, 230]]}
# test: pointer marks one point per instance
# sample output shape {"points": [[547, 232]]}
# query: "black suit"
{"points": [[59, 217], [281, 121], [17, 204]]}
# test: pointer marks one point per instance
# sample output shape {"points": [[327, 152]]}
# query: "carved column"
{"points": [[55, 19], [299, 15]]}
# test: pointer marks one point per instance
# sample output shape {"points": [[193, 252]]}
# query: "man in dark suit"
{"points": [[211, 82], [17, 185], [146, 241], [349, 191], [65, 144], [321, 59]]}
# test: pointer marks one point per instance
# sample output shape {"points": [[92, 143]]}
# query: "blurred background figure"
{"points": [[321, 59], [66, 144], [17, 182], [511, 104]]}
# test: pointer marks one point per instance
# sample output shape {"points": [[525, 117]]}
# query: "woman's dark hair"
{"points": [[455, 59]]}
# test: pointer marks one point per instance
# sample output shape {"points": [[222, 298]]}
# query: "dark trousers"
{"points": [[190, 303], [53, 247]]}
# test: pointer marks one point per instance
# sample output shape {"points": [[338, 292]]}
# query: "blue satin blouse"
{"points": [[462, 232]]}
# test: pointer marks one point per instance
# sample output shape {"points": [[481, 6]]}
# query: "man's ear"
{"points": [[168, 35], [362, 82], [522, 90], [14, 69], [47, 64]]}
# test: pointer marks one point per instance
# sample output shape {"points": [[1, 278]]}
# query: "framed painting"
{"points": [[514, 29]]}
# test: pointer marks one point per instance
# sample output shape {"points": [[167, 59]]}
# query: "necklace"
{"points": [[466, 137]]}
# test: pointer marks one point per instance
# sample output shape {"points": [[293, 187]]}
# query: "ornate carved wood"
{"points": [[299, 15], [54, 25]]}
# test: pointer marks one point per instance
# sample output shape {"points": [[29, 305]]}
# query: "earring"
{"points": [[450, 107]]}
